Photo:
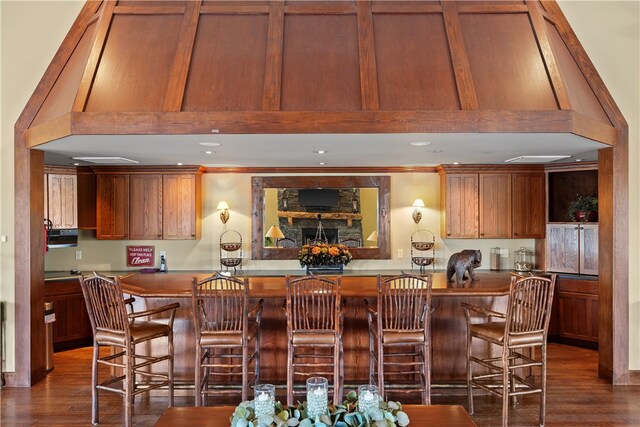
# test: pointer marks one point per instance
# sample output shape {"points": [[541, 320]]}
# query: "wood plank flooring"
{"points": [[576, 397]]}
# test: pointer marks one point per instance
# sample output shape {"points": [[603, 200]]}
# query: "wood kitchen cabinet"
{"points": [[528, 205], [492, 202], [145, 206], [181, 206], [72, 327], [61, 198], [112, 206], [149, 203], [495, 206], [572, 248], [575, 310]]}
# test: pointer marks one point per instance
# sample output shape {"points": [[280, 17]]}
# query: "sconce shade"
{"points": [[224, 215], [418, 203], [373, 237], [274, 232]]}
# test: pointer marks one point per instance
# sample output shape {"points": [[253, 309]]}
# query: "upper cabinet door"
{"points": [[562, 248], [145, 207], [461, 206], [495, 206], [112, 207], [61, 200], [589, 249], [528, 205], [181, 201]]}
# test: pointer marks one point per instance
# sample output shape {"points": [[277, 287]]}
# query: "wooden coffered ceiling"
{"points": [[188, 68]]}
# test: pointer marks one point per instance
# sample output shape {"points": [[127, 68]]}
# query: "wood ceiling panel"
{"points": [[320, 63], [60, 99], [581, 97], [151, 3], [133, 72], [414, 63], [227, 66], [506, 65], [239, 3], [490, 2]]}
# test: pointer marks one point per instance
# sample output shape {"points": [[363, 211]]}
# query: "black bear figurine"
{"points": [[461, 262]]}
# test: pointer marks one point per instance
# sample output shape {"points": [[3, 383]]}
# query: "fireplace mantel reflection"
{"points": [[350, 208]]}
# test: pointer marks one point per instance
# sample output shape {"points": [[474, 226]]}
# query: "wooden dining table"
{"points": [[218, 416]]}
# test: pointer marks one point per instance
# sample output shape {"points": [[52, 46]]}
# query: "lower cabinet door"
{"points": [[72, 327]]}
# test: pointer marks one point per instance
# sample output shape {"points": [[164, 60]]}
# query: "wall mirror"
{"points": [[353, 210]]}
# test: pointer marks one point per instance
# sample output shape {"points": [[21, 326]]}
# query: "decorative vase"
{"points": [[325, 269]]}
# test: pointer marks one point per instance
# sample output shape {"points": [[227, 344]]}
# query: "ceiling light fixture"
{"points": [[208, 152], [536, 159], [179, 164], [456, 163], [321, 163], [209, 144], [76, 164], [321, 151], [420, 143]]}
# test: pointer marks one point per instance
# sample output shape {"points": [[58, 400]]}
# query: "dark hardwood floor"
{"points": [[576, 397]]}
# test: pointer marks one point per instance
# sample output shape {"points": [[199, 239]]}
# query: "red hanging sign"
{"points": [[140, 256]]}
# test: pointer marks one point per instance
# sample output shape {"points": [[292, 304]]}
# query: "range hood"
{"points": [[62, 238]]}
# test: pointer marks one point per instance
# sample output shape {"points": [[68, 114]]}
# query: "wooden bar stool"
{"points": [[524, 326], [400, 336], [224, 334], [314, 330], [113, 327]]}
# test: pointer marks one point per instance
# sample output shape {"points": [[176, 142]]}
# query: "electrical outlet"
{"points": [[78, 255], [504, 253], [3, 239], [400, 253], [163, 254]]}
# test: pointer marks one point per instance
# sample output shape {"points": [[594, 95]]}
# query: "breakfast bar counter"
{"points": [[448, 325]]}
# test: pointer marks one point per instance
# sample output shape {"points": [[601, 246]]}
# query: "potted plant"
{"points": [[583, 209]]}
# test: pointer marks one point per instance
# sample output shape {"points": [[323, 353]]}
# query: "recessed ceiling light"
{"points": [[209, 144], [179, 164], [420, 143], [456, 163], [208, 152], [321, 151], [578, 160], [321, 163], [76, 164]]}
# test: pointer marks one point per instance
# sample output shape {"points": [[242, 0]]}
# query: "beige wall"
{"points": [[32, 31]]}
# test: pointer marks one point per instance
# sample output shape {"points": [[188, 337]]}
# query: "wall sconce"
{"points": [[417, 215], [274, 233], [224, 215], [373, 237]]}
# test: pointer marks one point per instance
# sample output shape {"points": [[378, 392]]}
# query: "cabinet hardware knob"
{"points": [[576, 228], [448, 234], [482, 234]]}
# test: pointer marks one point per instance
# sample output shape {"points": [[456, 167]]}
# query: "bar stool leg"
{"points": [[543, 383], [245, 372], [170, 367], [198, 377], [505, 387], [128, 407], [290, 373], [94, 383], [469, 374]]}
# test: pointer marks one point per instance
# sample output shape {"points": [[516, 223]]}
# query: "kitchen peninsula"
{"points": [[448, 325]]}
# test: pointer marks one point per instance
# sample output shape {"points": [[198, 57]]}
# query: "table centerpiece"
{"points": [[388, 414], [324, 257]]}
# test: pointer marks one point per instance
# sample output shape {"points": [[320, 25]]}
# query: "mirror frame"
{"points": [[259, 183]]}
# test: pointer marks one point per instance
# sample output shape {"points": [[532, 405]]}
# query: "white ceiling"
{"points": [[347, 150]]}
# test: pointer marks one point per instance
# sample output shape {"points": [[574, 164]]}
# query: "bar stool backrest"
{"points": [[313, 303], [105, 304], [529, 307], [220, 304], [404, 302]]}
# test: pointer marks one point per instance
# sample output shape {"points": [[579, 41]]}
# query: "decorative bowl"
{"points": [[422, 261], [231, 246], [422, 246], [230, 262]]}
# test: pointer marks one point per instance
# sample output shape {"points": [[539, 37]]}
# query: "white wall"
{"points": [[31, 32]]}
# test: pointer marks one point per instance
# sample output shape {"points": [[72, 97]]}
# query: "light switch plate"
{"points": [[3, 239], [78, 255], [400, 253]]}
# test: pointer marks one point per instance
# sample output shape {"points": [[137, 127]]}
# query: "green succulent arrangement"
{"points": [[389, 414]]}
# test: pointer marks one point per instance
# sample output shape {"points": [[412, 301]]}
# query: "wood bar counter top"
{"points": [[448, 332]]}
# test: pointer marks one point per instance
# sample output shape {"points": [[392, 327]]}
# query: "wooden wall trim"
{"points": [[273, 57], [212, 9], [102, 31], [48, 131], [324, 170], [459, 59], [549, 59], [143, 170], [605, 261], [29, 211], [571, 167], [416, 8], [489, 168], [594, 129], [492, 8], [367, 54], [182, 60], [149, 10], [320, 10]]}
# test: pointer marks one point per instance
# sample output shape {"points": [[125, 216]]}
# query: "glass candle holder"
{"points": [[265, 398], [317, 396], [368, 398]]}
